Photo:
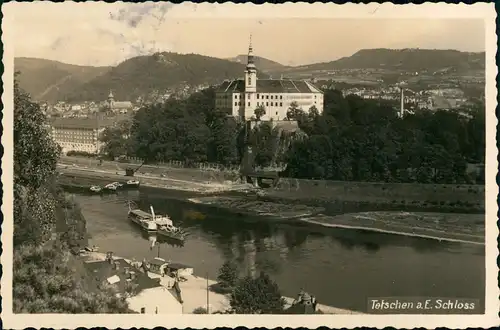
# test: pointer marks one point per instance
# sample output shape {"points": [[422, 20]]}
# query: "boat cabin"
{"points": [[141, 214], [156, 265]]}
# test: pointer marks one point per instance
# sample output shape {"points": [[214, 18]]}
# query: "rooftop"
{"points": [[81, 123], [103, 270], [271, 86], [122, 104]]}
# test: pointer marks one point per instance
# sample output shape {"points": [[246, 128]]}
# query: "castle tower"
{"points": [[251, 72], [402, 105], [250, 84]]}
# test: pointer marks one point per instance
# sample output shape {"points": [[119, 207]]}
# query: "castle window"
{"points": [[258, 95], [257, 103], [267, 97], [248, 103], [236, 96], [281, 97], [249, 80], [267, 104], [239, 103], [276, 113], [281, 104], [272, 97], [249, 96], [235, 103]]}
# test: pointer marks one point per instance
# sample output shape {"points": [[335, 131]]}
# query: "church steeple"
{"points": [[111, 99]]}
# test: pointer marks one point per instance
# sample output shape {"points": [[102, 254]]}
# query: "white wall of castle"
{"points": [[243, 105]]}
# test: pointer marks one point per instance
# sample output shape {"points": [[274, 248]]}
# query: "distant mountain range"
{"points": [[262, 63], [139, 76], [403, 59]]}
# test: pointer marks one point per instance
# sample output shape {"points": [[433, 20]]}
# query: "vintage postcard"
{"points": [[276, 165]]}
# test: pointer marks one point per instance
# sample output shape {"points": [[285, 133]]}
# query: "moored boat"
{"points": [[95, 189], [111, 187], [170, 231], [132, 184]]}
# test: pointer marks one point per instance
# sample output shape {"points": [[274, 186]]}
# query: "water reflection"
{"points": [[331, 263]]}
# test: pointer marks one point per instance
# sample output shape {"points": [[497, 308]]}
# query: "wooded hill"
{"points": [[403, 59], [262, 63], [49, 80], [143, 75]]}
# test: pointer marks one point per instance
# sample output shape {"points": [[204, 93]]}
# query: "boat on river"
{"points": [[166, 227], [132, 184], [95, 189], [111, 187], [172, 232], [143, 219]]}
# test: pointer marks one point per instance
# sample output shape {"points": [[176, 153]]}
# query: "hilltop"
{"points": [[157, 73], [143, 75], [404, 59], [48, 80], [262, 63]]}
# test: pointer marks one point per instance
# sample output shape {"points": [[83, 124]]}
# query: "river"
{"points": [[341, 267]]}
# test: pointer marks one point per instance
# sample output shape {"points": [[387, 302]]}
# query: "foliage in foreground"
{"points": [[259, 295], [228, 275], [47, 279]]}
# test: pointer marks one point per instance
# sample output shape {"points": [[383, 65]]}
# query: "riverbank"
{"points": [[451, 227], [81, 177], [194, 293], [361, 196]]}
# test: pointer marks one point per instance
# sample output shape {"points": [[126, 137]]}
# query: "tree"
{"points": [[294, 112], [257, 296], [260, 112], [35, 154], [47, 279], [228, 275], [115, 141]]}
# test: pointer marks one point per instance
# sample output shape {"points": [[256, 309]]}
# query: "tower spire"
{"points": [[250, 62]]}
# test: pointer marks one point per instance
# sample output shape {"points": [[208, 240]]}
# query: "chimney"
{"points": [[109, 257], [116, 265]]}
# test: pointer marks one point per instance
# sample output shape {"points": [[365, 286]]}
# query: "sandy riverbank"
{"points": [[451, 227], [194, 292], [77, 175]]}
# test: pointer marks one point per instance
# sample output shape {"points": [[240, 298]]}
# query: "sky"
{"points": [[102, 34]]}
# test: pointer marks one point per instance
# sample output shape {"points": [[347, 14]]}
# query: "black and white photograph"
{"points": [[249, 163]]}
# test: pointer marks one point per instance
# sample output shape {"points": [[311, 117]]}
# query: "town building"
{"points": [[118, 106], [78, 134], [144, 295], [239, 98]]}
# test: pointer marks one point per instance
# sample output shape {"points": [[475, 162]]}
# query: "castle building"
{"points": [[239, 98]]}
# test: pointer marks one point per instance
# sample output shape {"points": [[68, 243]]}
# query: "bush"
{"points": [[80, 154], [228, 275], [200, 310], [257, 296]]}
